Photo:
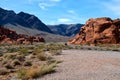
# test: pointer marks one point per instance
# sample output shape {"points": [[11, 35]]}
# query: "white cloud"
{"points": [[71, 11], [42, 5], [64, 20], [45, 5], [55, 0]]}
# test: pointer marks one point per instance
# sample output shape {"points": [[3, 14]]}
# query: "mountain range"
{"points": [[25, 23], [66, 29]]}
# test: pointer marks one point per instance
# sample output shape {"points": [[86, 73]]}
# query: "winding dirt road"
{"points": [[86, 65]]}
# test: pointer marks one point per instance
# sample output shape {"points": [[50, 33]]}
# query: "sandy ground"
{"points": [[86, 65]]}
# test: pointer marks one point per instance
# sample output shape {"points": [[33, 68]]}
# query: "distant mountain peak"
{"points": [[23, 19]]}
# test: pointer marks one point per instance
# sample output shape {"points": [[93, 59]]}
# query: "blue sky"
{"points": [[65, 11]]}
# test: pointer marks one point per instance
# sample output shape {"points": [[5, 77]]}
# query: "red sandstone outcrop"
{"points": [[9, 37], [98, 30]]}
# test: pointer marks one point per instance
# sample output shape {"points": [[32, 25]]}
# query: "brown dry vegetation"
{"points": [[32, 61], [27, 61]]}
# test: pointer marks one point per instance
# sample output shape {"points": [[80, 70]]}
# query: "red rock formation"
{"points": [[99, 30], [9, 37]]}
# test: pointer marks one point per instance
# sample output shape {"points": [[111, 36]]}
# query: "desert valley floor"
{"points": [[86, 65]]}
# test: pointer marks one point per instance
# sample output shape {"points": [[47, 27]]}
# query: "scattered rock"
{"points": [[11, 37]]}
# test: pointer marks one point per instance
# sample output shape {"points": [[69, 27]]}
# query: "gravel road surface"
{"points": [[86, 65]]}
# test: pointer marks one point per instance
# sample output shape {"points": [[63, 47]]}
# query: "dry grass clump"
{"points": [[55, 49], [56, 52], [15, 62], [4, 61], [9, 55], [8, 66], [11, 50], [42, 56], [24, 51], [3, 71], [27, 63], [34, 72], [22, 59], [54, 61]]}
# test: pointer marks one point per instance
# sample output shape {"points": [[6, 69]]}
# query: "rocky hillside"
{"points": [[66, 29], [9, 37], [99, 30], [24, 23], [22, 19]]}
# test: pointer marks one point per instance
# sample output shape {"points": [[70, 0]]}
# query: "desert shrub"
{"points": [[3, 71], [51, 61], [20, 57], [8, 66], [11, 50], [22, 74], [4, 61], [115, 49], [9, 55], [15, 62], [54, 47], [34, 72], [36, 51], [56, 52], [42, 47], [67, 47], [1, 58], [54, 61], [42, 56], [23, 51], [27, 63], [89, 48], [1, 54], [45, 69]]}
